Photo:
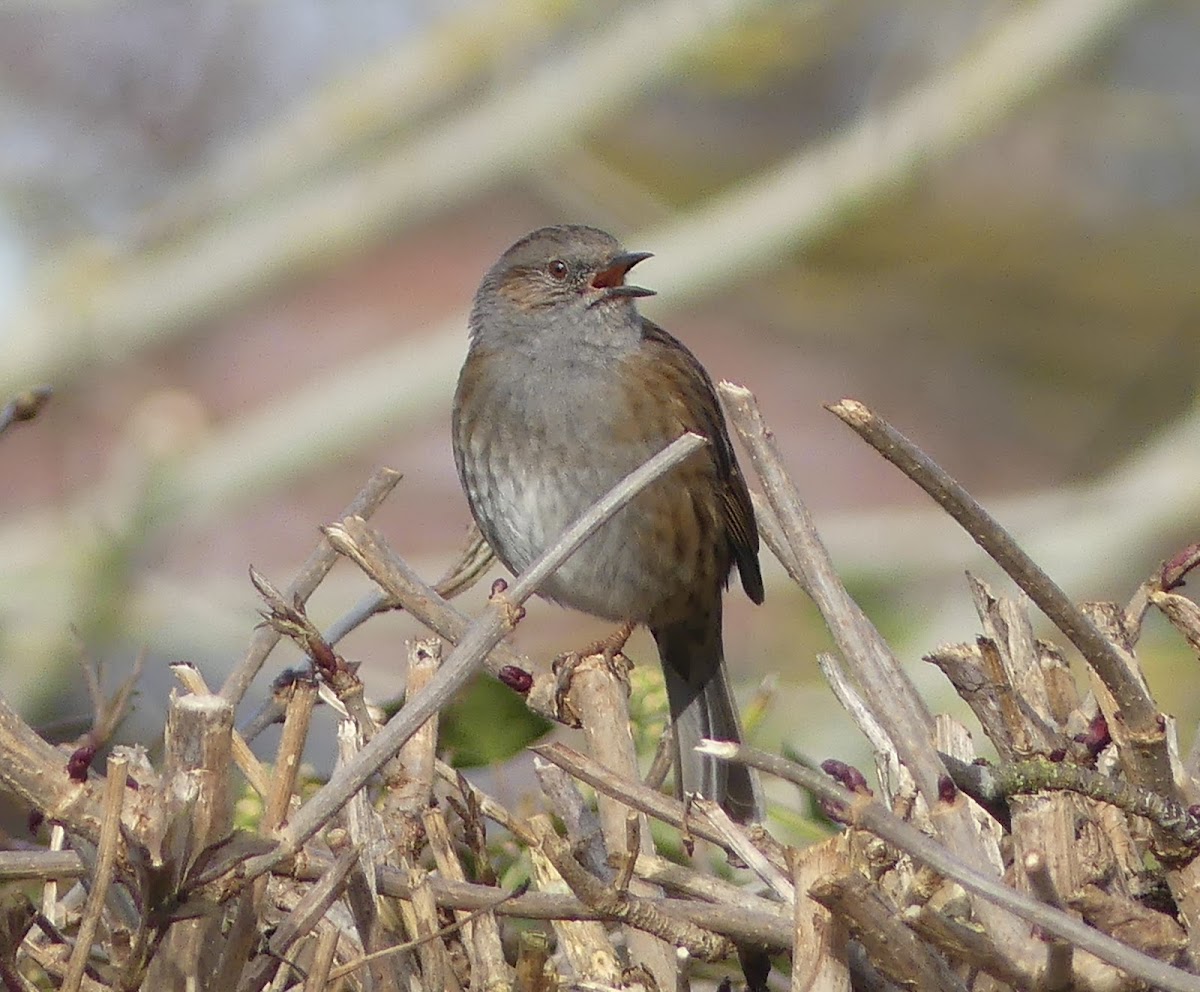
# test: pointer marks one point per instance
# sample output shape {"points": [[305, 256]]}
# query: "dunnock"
{"points": [[565, 390]]}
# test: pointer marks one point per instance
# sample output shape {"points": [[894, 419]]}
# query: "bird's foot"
{"points": [[563, 668], [611, 649], [608, 648]]}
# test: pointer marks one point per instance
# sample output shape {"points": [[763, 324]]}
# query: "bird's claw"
{"points": [[611, 649], [608, 649], [563, 668]]}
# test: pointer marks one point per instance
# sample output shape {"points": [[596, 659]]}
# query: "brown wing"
{"points": [[702, 413]]}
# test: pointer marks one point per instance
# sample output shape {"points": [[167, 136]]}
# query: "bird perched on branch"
{"points": [[565, 390]]}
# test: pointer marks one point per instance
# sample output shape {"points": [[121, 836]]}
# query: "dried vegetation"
{"points": [[1066, 864]]}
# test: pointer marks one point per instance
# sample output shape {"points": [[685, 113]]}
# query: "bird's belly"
{"points": [[634, 568]]}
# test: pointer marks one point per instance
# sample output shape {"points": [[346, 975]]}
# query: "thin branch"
{"points": [[752, 923], [1183, 613], [882, 680], [289, 754], [736, 837], [629, 857], [867, 814], [311, 573], [462, 921], [110, 832], [752, 845], [288, 617], [1138, 709], [479, 639], [640, 913], [893, 699], [244, 929], [399, 584], [992, 785], [485, 804], [566, 801], [18, 866], [693, 884], [301, 920], [1058, 974], [475, 559]]}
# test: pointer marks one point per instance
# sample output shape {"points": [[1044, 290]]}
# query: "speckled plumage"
{"points": [[565, 390]]}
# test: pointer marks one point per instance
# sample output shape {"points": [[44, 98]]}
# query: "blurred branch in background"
{"points": [[104, 309], [160, 290], [736, 236], [1160, 480], [699, 254], [935, 890], [287, 203], [1084, 533], [385, 97]]}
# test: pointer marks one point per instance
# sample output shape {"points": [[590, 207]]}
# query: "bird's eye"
{"points": [[558, 269]]}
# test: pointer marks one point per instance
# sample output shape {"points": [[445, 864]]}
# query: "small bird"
{"points": [[566, 389]]}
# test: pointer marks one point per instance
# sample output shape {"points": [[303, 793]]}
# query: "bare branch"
{"points": [[480, 637], [882, 681], [870, 815], [1137, 708], [314, 569], [110, 833]]}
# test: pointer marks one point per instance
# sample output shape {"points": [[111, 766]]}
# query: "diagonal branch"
{"points": [[868, 814], [480, 637]]}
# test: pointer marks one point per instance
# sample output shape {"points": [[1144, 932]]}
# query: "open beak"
{"points": [[612, 277]]}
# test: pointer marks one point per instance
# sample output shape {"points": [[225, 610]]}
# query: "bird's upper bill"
{"points": [[612, 276]]}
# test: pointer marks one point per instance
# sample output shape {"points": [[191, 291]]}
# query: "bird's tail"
{"points": [[702, 705]]}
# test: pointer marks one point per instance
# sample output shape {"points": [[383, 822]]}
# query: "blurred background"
{"points": [[238, 238]]}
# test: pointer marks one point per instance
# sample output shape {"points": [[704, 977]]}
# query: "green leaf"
{"points": [[488, 723]]}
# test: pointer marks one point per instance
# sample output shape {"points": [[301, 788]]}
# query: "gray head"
{"points": [[557, 281]]}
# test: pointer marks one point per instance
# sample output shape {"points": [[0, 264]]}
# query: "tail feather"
{"points": [[702, 705]]}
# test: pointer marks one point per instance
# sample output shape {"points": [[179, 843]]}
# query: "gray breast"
{"points": [[528, 485]]}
